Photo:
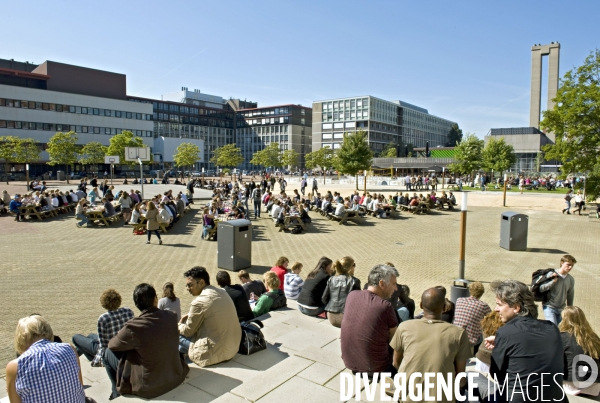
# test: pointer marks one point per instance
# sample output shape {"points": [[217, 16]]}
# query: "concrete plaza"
{"points": [[52, 268]]}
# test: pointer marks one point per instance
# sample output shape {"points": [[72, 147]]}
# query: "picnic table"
{"points": [[142, 224], [31, 210], [294, 220], [97, 214]]}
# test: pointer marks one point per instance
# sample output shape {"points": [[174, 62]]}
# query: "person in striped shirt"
{"points": [[292, 282]]}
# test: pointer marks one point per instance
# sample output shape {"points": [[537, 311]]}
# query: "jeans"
{"points": [[155, 233], [205, 231], [403, 313], [257, 209], [568, 206], [552, 314], [87, 346], [111, 363], [184, 344], [311, 312], [83, 218]]}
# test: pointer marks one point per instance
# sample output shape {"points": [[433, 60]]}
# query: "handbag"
{"points": [[253, 339]]}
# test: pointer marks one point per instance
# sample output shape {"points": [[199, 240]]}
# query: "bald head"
{"points": [[432, 301]]}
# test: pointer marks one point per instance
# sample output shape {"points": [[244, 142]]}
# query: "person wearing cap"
{"points": [[15, 207]]}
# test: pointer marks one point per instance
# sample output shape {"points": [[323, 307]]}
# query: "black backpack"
{"points": [[538, 278], [279, 300], [297, 229]]}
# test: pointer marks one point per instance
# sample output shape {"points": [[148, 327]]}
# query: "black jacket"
{"points": [[313, 289], [240, 300]]}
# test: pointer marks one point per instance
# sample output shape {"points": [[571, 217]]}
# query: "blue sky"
{"points": [[468, 62]]}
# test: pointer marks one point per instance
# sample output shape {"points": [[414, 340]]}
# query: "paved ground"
{"points": [[52, 268]]}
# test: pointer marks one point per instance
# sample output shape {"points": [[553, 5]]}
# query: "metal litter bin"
{"points": [[513, 230], [234, 245], [60, 176], [459, 289]]}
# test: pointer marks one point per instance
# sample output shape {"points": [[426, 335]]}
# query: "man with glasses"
{"points": [[210, 333]]}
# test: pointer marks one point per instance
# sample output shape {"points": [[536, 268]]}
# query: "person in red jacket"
{"points": [[280, 269]]}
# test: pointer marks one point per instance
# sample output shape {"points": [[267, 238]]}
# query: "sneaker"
{"points": [[160, 241], [147, 242]]}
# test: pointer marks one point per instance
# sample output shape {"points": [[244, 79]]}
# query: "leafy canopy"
{"points": [[354, 155], [290, 158], [455, 136], [186, 154], [575, 120], [498, 155], [323, 158], [227, 156], [270, 156], [469, 155], [17, 150], [63, 149], [118, 142], [389, 151], [92, 153]]}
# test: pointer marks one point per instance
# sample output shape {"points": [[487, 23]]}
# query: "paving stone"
{"points": [[319, 373], [229, 398], [299, 338], [334, 383], [259, 386], [92, 374], [302, 391], [222, 379], [322, 356], [334, 347], [264, 359], [3, 392], [272, 333]]}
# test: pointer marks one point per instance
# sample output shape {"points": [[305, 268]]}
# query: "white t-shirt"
{"points": [[340, 209], [275, 211]]}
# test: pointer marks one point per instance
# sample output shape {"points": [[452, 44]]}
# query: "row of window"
{"points": [[53, 127], [189, 110], [15, 103], [266, 121], [346, 104], [264, 130], [165, 117], [262, 139], [266, 112]]}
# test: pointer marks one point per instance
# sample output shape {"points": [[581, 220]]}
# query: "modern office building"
{"points": [[527, 143], [385, 122], [288, 125], [55, 97]]}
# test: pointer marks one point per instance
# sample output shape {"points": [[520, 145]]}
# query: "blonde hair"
{"points": [[243, 274], [271, 280], [297, 266], [575, 323], [343, 266], [31, 329], [490, 324], [476, 289]]}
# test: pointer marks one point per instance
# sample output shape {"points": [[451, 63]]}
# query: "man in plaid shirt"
{"points": [[109, 324], [469, 312]]}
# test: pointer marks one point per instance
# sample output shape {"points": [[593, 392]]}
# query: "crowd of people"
{"points": [[381, 331]]}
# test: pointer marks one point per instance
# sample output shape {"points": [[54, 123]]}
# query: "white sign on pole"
{"points": [[111, 159], [133, 153]]}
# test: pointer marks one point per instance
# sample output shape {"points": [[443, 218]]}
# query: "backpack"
{"points": [[279, 300], [297, 230], [538, 278]]}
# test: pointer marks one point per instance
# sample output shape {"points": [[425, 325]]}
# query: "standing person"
{"points": [[521, 183], [190, 189], [561, 289], [310, 300], [126, 203], [315, 186], [44, 371], [407, 182], [578, 338], [522, 337], [152, 221], [303, 186], [256, 197], [568, 198], [80, 214], [92, 195], [430, 345], [579, 202], [169, 301], [469, 313], [338, 288], [369, 324], [143, 354]]}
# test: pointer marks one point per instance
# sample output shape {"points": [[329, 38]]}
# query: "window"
{"points": [[96, 130], [303, 111], [128, 115], [24, 104], [96, 111], [327, 126], [3, 124], [302, 121], [118, 114], [138, 116]]}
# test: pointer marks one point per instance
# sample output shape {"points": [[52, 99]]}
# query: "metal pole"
{"points": [[112, 171], [27, 178], [141, 177], [504, 200], [365, 182], [463, 236], [443, 176]]}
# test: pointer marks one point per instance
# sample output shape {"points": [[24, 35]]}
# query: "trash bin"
{"points": [[60, 176], [459, 289], [234, 245], [513, 230]]}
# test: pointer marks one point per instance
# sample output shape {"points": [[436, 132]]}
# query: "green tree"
{"points": [[118, 142], [390, 151], [186, 155], [498, 155], [92, 153], [575, 120], [16, 150], [289, 158], [228, 156], [455, 136], [322, 158], [270, 156], [469, 155], [354, 155], [539, 160], [63, 150]]}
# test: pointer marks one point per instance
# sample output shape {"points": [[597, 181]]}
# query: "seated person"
{"points": [[210, 333], [340, 209], [44, 371], [109, 209], [451, 199], [275, 210], [237, 294], [265, 302], [164, 215], [253, 288], [15, 207], [143, 355]]}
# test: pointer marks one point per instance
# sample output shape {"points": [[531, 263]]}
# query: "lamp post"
{"points": [[141, 177], [504, 199], [459, 288]]}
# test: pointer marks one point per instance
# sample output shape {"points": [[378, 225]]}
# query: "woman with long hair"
{"points": [[169, 301], [126, 203], [152, 224], [337, 289], [310, 299], [578, 338]]}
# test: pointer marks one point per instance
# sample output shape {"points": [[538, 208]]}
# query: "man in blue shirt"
{"points": [[15, 207]]}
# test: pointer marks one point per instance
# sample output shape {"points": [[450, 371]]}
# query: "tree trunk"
{"points": [[6, 171], [356, 181]]}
